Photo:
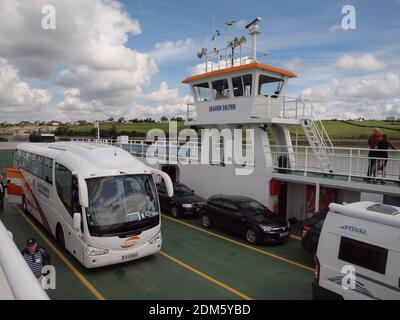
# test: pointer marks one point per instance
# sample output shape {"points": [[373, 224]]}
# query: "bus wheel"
{"points": [[60, 236]]}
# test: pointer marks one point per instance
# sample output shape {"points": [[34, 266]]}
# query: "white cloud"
{"points": [[166, 101], [336, 27], [88, 46], [368, 98], [366, 62], [166, 95], [170, 50], [17, 95], [389, 86], [292, 64]]}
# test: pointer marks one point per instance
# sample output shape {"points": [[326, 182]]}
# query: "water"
{"points": [[9, 145]]}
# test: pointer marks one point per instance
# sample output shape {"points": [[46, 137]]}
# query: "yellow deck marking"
{"points": [[79, 275], [298, 238], [203, 275], [242, 244]]}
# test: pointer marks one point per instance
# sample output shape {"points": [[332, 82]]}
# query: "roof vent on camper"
{"points": [[384, 208]]}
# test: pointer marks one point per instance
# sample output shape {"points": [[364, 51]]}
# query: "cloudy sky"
{"points": [[127, 58]]}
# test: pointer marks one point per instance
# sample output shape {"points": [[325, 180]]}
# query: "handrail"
{"points": [[220, 59], [22, 282], [348, 162]]}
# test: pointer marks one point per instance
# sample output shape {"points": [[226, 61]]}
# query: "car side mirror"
{"points": [[238, 214], [77, 222]]}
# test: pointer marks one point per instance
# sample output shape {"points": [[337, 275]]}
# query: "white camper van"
{"points": [[99, 202], [358, 255]]}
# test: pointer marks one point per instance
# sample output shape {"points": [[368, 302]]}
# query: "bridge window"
{"points": [[268, 86], [202, 92], [242, 85], [221, 89]]}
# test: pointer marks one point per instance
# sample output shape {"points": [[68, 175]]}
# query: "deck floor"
{"points": [[194, 264]]}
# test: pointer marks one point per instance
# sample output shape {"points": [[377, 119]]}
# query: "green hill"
{"points": [[335, 128]]}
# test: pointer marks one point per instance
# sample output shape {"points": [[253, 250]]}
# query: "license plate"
{"points": [[284, 234], [129, 256]]}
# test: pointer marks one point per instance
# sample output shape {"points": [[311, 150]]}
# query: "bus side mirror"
{"points": [[167, 181], [83, 191], [77, 222]]}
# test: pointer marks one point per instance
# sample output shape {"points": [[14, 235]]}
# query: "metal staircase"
{"points": [[316, 135]]}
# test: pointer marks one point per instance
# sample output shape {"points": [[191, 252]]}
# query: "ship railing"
{"points": [[346, 163], [20, 284], [188, 152], [224, 58], [95, 140]]}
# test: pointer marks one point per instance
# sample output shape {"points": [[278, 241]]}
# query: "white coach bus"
{"points": [[99, 202]]}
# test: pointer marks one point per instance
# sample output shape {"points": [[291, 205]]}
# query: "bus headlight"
{"points": [[92, 251], [156, 238]]}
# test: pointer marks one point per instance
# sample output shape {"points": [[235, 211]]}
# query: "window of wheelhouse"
{"points": [[242, 85], [269, 86], [220, 89], [202, 92]]}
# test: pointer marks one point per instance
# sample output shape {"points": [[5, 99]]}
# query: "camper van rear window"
{"points": [[362, 254]]}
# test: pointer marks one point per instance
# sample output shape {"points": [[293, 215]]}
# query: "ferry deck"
{"points": [[194, 264]]}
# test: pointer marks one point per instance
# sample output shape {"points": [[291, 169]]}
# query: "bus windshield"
{"points": [[121, 204]]}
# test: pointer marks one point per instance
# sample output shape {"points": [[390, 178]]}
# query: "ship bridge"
{"points": [[248, 93]]}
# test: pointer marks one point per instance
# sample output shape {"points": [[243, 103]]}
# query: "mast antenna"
{"points": [[254, 30], [229, 24]]}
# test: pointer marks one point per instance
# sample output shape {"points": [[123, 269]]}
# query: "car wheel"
{"points": [[251, 235], [205, 221], [60, 236], [175, 212]]}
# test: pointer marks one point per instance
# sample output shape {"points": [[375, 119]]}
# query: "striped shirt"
{"points": [[35, 262]]}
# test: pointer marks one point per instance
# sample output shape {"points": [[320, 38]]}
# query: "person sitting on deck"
{"points": [[373, 141], [383, 146]]}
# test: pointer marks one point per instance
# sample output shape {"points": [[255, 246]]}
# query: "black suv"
{"points": [[311, 232], [244, 216], [183, 202]]}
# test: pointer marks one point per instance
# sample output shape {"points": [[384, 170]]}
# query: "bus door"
{"points": [[75, 238]]}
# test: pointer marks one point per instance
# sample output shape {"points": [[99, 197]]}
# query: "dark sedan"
{"points": [[244, 216], [184, 202], [311, 232]]}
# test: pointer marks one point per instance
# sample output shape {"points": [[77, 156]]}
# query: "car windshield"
{"points": [[181, 188], [253, 207], [119, 204]]}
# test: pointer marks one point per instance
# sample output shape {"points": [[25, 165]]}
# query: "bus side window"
{"points": [[48, 170], [27, 162], [64, 186]]}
